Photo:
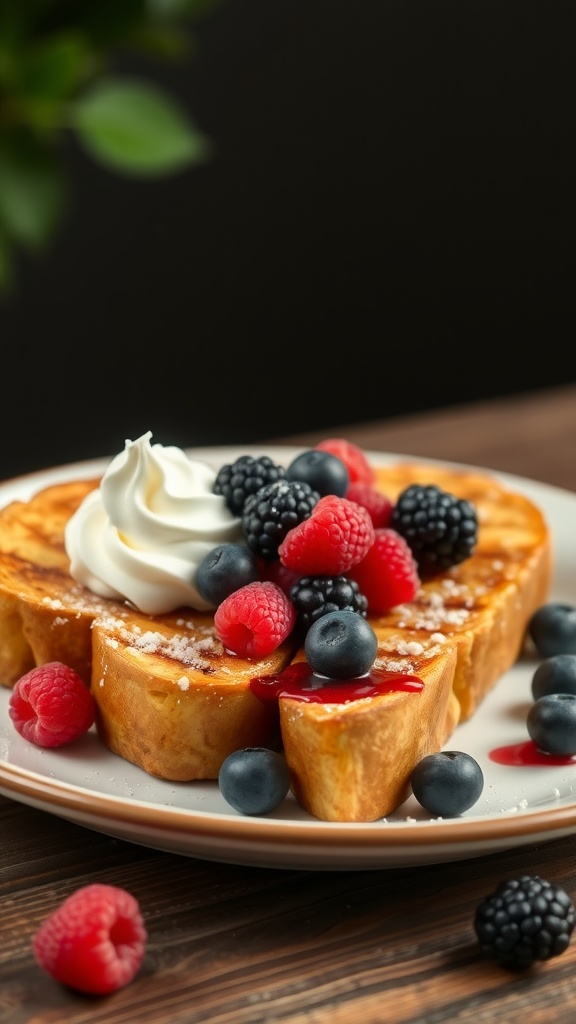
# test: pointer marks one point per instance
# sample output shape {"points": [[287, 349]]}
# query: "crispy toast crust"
{"points": [[171, 700]]}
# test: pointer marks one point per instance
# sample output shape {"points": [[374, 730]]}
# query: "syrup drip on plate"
{"points": [[521, 755], [299, 682]]}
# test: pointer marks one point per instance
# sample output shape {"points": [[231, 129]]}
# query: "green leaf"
{"points": [[137, 129], [55, 67], [32, 189]]}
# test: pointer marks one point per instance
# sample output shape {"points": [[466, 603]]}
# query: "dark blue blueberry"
{"points": [[447, 783], [325, 473], [555, 675], [225, 569], [551, 723], [341, 645], [254, 780], [553, 629]]}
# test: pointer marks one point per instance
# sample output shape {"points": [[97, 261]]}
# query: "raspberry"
{"points": [[94, 941], [359, 469], [379, 506], [337, 535], [51, 705], [388, 575], [254, 620]]}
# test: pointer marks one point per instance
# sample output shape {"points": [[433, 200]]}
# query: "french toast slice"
{"points": [[348, 761], [171, 700]]}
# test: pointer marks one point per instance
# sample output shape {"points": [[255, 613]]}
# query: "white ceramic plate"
{"points": [[86, 784]]}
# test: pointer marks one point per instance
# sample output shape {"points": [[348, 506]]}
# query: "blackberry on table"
{"points": [[524, 920], [236, 481], [440, 528], [270, 513], [313, 596]]}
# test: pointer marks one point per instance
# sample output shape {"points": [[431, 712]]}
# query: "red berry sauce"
{"points": [[521, 755], [300, 682]]}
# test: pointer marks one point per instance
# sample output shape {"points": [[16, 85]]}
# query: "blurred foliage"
{"points": [[57, 80]]}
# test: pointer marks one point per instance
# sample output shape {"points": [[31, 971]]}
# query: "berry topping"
{"points": [[359, 469], [551, 723], [524, 920], [325, 473], [335, 537], [553, 629], [236, 481], [254, 780], [313, 596], [273, 511], [440, 528], [94, 941], [225, 569], [253, 621], [388, 574], [51, 705], [555, 675], [447, 783], [378, 504], [341, 645]]}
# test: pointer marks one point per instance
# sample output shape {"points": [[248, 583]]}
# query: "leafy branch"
{"points": [[57, 80]]}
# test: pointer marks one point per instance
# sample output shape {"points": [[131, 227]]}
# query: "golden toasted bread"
{"points": [[170, 699], [480, 608]]}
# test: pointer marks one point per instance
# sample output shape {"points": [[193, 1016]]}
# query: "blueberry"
{"points": [[341, 645], [225, 569], [553, 629], [555, 675], [551, 723], [254, 780], [447, 783], [325, 473]]}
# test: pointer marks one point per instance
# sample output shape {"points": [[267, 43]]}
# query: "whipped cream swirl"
{"points": [[142, 534]]}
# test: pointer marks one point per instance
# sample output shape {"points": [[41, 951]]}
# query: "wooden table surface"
{"points": [[245, 945]]}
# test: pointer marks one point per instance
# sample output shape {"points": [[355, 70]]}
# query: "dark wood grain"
{"points": [[240, 945]]}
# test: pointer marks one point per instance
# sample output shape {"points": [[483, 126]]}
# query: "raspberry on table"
{"points": [[51, 705], [94, 941], [388, 574], [358, 466], [254, 620], [335, 537]]}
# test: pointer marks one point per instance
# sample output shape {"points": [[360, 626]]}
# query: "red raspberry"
{"points": [[335, 537], [254, 620], [51, 705], [379, 506], [359, 469], [94, 941], [388, 575]]}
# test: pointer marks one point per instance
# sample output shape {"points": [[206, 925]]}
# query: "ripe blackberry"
{"points": [[313, 596], [524, 920], [239, 479], [271, 512], [440, 528]]}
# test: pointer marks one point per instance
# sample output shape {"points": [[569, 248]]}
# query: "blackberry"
{"points": [[440, 528], [313, 596], [524, 920], [236, 481], [273, 511]]}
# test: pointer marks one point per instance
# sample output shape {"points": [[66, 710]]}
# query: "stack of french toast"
{"points": [[170, 699]]}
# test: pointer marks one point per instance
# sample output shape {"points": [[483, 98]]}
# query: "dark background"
{"points": [[387, 226]]}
